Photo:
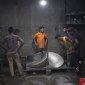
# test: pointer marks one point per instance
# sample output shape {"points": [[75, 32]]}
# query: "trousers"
{"points": [[16, 58]]}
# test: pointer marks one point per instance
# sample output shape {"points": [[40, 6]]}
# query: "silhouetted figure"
{"points": [[10, 42]]}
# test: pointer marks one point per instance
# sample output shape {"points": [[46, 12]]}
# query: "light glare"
{"points": [[43, 2]]}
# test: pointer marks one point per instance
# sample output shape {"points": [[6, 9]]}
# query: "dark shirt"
{"points": [[11, 42]]}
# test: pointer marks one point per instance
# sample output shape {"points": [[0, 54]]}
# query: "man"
{"points": [[65, 41], [76, 41], [40, 40], [10, 42]]}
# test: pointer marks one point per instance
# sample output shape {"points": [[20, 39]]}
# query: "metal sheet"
{"points": [[38, 61], [54, 60]]}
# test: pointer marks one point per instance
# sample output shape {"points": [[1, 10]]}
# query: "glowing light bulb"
{"points": [[43, 2]]}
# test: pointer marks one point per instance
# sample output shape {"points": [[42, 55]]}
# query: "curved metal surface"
{"points": [[38, 61], [54, 60]]}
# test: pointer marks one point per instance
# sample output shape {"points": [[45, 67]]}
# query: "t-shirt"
{"points": [[40, 39], [11, 42]]}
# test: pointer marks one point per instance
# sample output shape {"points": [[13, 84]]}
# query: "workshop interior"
{"points": [[42, 42]]}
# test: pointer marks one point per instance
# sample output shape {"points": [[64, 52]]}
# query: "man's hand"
{"points": [[21, 44], [2, 46], [46, 44]]}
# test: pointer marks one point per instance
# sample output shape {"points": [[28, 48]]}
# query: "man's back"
{"points": [[11, 42]]}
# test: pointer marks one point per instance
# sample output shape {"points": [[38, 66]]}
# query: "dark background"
{"points": [[28, 15]]}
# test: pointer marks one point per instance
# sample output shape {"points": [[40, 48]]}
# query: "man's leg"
{"points": [[75, 62], [69, 60], [10, 60], [42, 53], [18, 62], [65, 59]]}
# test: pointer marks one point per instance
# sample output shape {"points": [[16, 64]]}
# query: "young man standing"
{"points": [[10, 42], [40, 40]]}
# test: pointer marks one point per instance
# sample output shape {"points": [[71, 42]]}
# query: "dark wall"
{"points": [[75, 6], [28, 15]]}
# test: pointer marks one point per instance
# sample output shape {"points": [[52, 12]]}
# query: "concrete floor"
{"points": [[57, 78]]}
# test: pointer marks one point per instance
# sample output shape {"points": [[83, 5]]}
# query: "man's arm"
{"points": [[61, 40], [46, 40], [3, 44], [34, 42], [21, 42], [76, 42], [46, 45]]}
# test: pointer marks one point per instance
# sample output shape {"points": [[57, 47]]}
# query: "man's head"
{"points": [[10, 30], [16, 31], [65, 29], [41, 29], [70, 29], [57, 36]]}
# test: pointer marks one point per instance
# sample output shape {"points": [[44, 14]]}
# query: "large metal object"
{"points": [[55, 60], [37, 60], [51, 59]]}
